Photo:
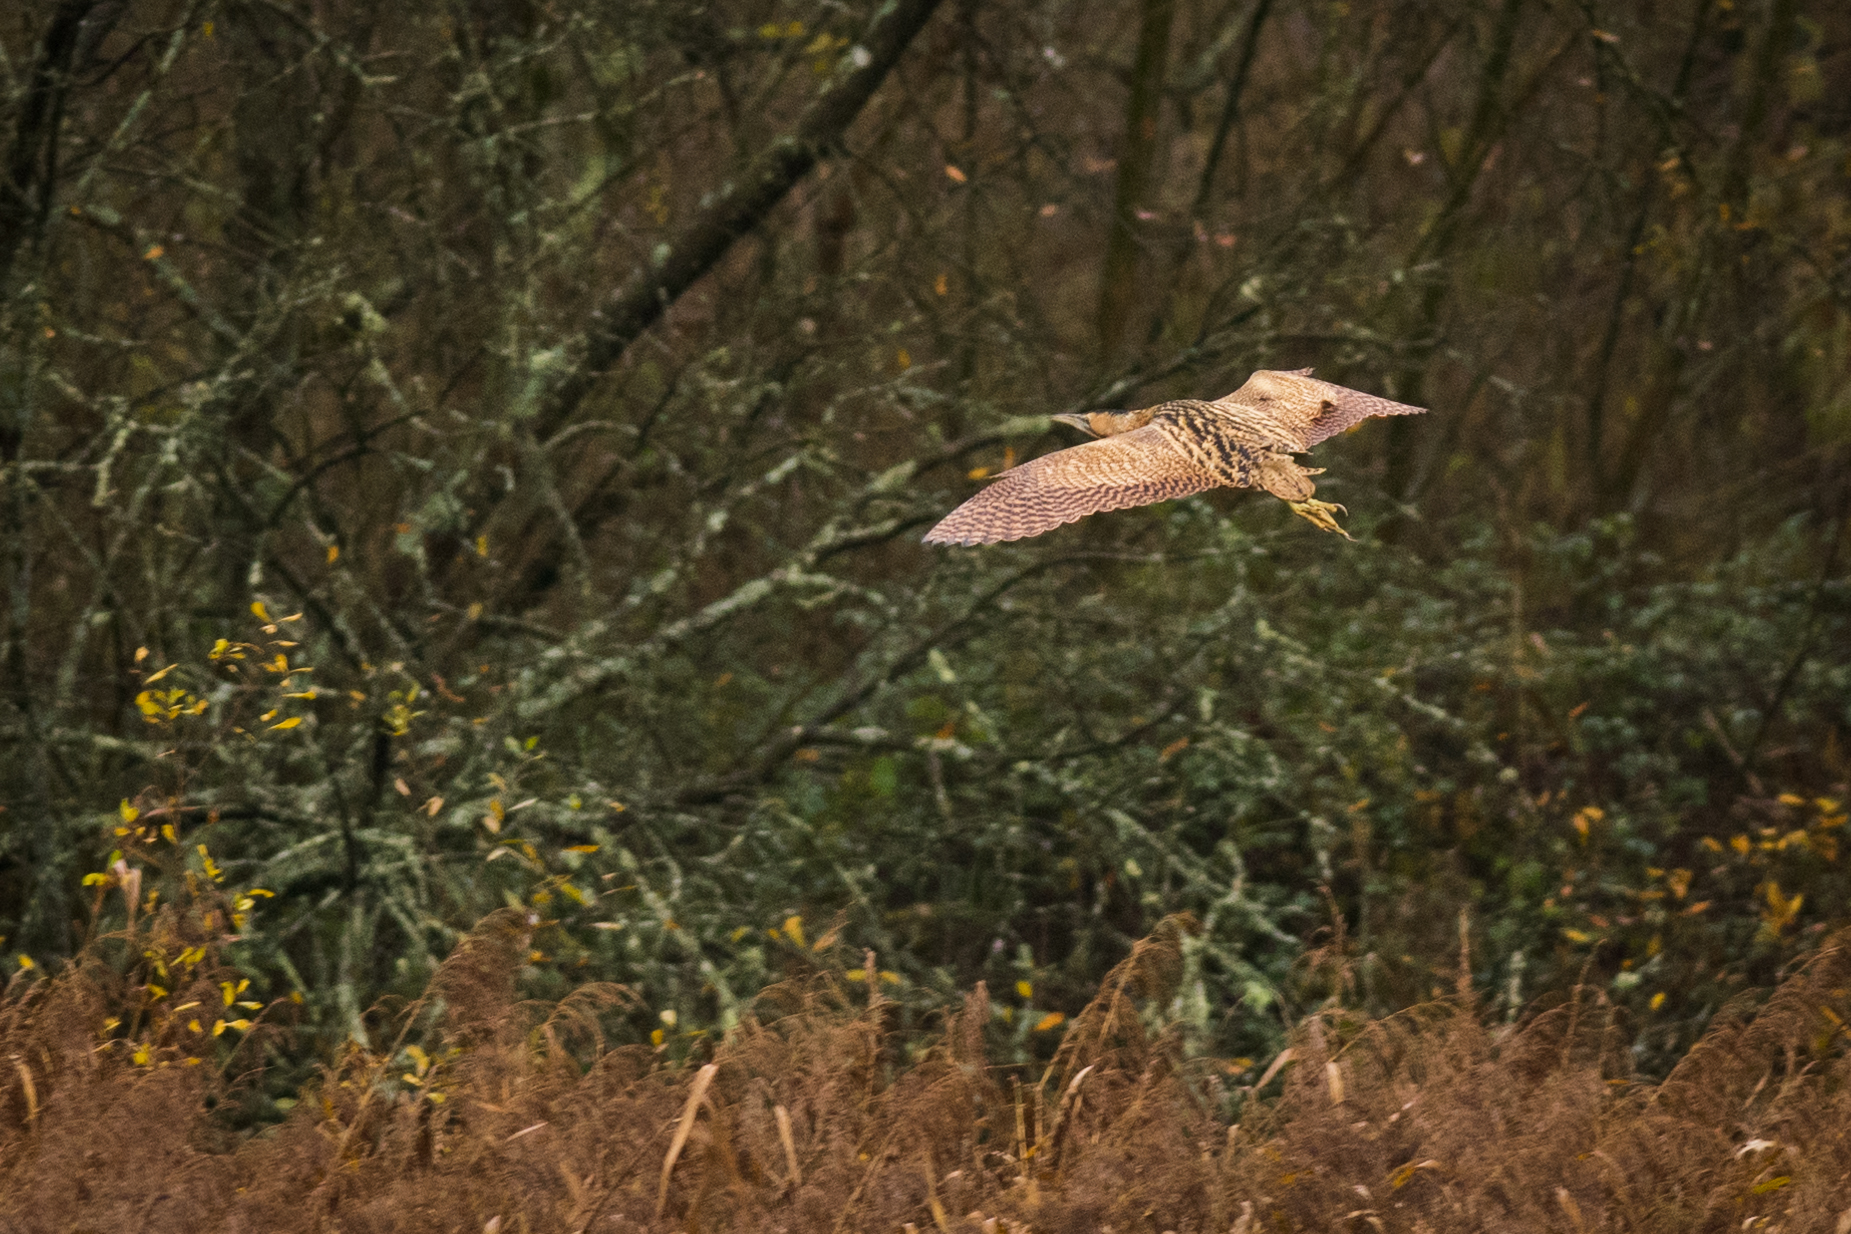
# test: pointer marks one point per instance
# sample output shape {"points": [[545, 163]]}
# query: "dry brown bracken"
{"points": [[1244, 439]]}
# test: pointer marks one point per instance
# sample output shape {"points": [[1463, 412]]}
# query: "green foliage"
{"points": [[569, 432], [1048, 778]]}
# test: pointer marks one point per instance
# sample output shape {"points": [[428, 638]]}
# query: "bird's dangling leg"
{"points": [[1289, 482]]}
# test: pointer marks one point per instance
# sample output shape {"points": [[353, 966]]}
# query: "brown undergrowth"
{"points": [[485, 1113]]}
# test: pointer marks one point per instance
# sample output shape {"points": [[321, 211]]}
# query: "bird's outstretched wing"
{"points": [[1296, 403], [1113, 473], [1345, 407]]}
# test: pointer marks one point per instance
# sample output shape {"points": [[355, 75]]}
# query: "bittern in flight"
{"points": [[1245, 439]]}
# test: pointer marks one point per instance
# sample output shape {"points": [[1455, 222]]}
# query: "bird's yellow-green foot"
{"points": [[1320, 514]]}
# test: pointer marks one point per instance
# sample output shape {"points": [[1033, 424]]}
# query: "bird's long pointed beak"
{"points": [[1076, 419]]}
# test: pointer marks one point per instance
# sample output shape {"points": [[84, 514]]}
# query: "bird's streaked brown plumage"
{"points": [[1245, 440]]}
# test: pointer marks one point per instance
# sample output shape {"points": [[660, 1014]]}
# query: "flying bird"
{"points": [[1245, 439]]}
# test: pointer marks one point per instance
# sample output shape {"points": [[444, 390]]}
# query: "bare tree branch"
{"points": [[736, 209]]}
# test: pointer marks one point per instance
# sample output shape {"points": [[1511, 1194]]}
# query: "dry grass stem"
{"points": [[1430, 1120]]}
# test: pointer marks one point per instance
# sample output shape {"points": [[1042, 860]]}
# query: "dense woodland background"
{"points": [[473, 455]]}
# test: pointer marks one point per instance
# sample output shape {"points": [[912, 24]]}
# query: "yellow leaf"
{"points": [[1658, 1000], [582, 848], [1740, 845], [128, 812], [26, 964], [793, 929], [1781, 911], [334, 553], [1052, 1019], [955, 175], [941, 285], [148, 681], [291, 722], [1025, 989], [1401, 1175], [481, 546], [1577, 936], [141, 653], [1792, 799], [257, 607]]}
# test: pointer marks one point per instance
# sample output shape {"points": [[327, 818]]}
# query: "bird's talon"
{"points": [[1319, 514]]}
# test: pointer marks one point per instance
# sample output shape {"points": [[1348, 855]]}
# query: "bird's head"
{"points": [[1105, 423]]}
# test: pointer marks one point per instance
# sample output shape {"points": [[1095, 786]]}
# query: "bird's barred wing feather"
{"points": [[1295, 404], [1345, 407], [1112, 473]]}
